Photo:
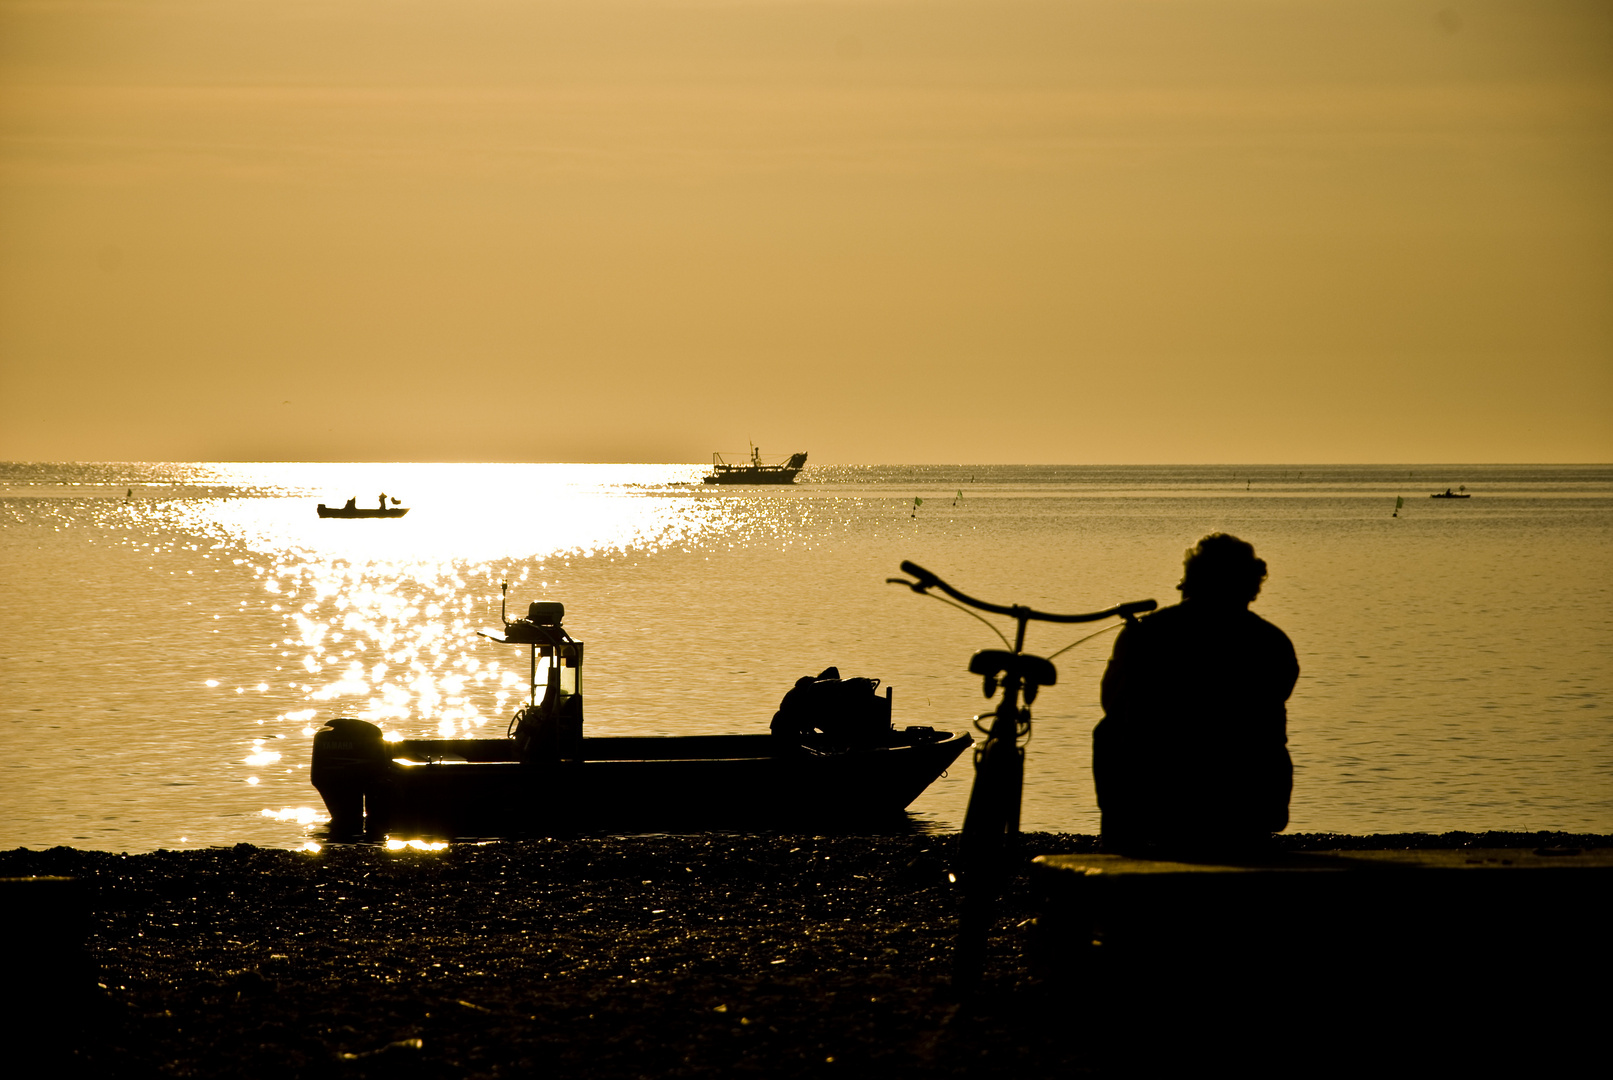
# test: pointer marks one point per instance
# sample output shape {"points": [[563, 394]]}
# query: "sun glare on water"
{"points": [[288, 620], [378, 619]]}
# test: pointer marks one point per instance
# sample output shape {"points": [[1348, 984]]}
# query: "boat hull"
{"points": [[763, 475], [755, 472], [361, 512], [475, 787]]}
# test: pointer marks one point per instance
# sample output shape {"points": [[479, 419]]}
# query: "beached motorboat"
{"points": [[545, 777], [755, 471], [353, 510]]}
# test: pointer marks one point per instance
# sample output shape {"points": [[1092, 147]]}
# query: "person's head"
{"points": [[1222, 569]]}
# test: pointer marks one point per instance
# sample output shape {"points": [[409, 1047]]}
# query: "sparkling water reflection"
{"points": [[176, 633]]}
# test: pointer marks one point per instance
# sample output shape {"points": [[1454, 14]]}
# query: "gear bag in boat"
{"points": [[846, 711]]}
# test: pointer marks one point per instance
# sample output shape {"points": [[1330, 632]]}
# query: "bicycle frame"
{"points": [[991, 822]]}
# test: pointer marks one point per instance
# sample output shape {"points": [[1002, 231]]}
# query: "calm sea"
{"points": [[175, 633]]}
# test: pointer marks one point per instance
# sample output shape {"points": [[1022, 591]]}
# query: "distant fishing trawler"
{"points": [[755, 472]]}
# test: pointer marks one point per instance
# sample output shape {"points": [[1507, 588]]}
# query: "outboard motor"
{"points": [[541, 625], [348, 766]]}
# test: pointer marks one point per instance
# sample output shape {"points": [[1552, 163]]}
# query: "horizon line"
{"points": [[958, 464]]}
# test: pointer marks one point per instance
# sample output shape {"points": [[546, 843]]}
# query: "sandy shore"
{"points": [[655, 956]]}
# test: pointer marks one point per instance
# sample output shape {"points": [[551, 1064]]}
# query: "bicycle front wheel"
{"points": [[989, 845]]}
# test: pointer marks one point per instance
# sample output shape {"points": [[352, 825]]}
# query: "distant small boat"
{"points": [[352, 511], [1449, 494], [755, 472]]}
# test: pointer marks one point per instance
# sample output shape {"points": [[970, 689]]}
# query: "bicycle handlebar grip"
{"points": [[925, 578]]}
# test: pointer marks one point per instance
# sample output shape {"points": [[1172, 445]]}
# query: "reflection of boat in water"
{"points": [[546, 777], [352, 510], [755, 472], [1449, 494]]}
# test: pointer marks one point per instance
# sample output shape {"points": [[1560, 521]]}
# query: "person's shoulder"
{"points": [[1267, 630], [1160, 619], [1161, 623], [1264, 624], [1164, 616]]}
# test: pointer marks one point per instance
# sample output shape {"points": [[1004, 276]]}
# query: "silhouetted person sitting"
{"points": [[1191, 756]]}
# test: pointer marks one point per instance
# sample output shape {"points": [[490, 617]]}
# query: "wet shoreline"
{"points": [[699, 955]]}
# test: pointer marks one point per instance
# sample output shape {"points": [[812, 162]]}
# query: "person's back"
{"points": [[1191, 753]]}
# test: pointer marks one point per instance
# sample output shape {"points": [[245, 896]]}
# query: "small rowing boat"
{"points": [[353, 510]]}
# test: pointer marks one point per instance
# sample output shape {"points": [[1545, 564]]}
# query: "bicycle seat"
{"points": [[1033, 671]]}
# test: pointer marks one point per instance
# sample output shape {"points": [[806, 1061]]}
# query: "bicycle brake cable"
{"points": [[1089, 637], [972, 615]]}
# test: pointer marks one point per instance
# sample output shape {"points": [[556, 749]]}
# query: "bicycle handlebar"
{"points": [[924, 580]]}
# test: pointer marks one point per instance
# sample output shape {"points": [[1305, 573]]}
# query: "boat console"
{"points": [[547, 728]]}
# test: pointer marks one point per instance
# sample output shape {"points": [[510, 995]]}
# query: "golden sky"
{"points": [[877, 230]]}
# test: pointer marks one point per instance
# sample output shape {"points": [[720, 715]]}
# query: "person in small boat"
{"points": [[383, 500], [352, 504], [1191, 754]]}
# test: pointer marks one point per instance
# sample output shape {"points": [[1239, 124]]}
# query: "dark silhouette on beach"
{"points": [[848, 711], [1191, 756]]}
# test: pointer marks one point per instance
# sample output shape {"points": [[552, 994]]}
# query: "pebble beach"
{"points": [[652, 956]]}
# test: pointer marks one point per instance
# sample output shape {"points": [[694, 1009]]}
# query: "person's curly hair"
{"points": [[1222, 567]]}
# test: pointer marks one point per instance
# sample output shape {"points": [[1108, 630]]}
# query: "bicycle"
{"points": [[991, 822]]}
